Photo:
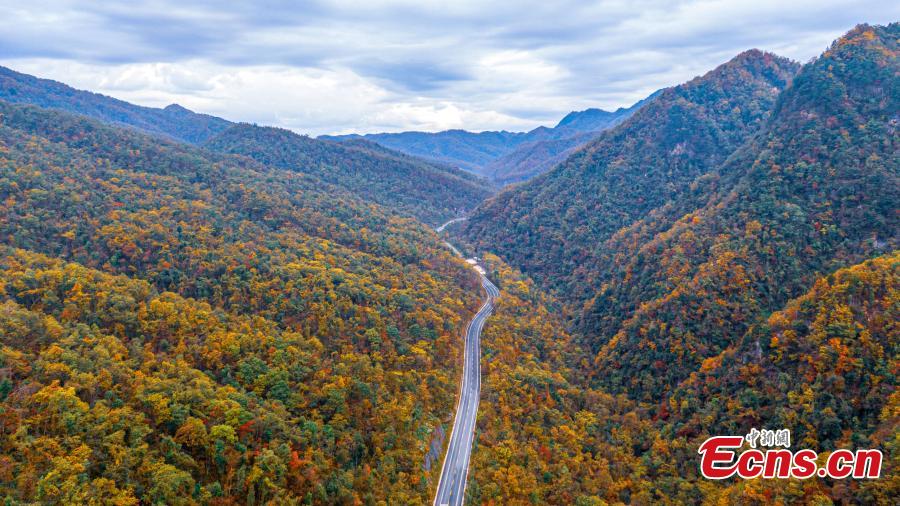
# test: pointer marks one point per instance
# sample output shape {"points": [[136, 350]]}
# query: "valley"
{"points": [[195, 310]]}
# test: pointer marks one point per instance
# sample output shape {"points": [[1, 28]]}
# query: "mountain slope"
{"points": [[552, 225], [430, 192], [181, 326], [533, 158], [574, 131], [174, 121], [503, 156], [823, 365], [458, 148], [844, 327], [815, 191]]}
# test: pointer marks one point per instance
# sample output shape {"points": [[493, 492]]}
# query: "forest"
{"points": [[734, 290], [195, 311], [429, 191], [184, 327], [547, 436]]}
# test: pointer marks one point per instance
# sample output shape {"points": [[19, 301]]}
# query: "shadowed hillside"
{"points": [[431, 192], [174, 121]]}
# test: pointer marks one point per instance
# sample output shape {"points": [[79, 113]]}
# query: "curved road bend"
{"points": [[451, 489], [442, 227]]}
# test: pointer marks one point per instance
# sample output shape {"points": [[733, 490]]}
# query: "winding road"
{"points": [[451, 489], [442, 227]]}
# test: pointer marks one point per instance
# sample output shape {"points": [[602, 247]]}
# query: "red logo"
{"points": [[720, 459]]}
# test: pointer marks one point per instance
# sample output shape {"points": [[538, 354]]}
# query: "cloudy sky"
{"points": [[341, 66]]}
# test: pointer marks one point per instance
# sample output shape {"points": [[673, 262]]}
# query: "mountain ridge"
{"points": [[630, 169], [779, 218], [369, 170], [431, 192], [173, 121], [496, 154]]}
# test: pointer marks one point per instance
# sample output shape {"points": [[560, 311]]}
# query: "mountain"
{"points": [[174, 121], [431, 192], [762, 295], [552, 225], [182, 326], [458, 148], [715, 204], [503, 157], [595, 120], [414, 187], [814, 191], [574, 131], [533, 158]]}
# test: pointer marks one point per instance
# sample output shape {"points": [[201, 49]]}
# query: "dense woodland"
{"points": [[425, 190], [208, 329], [255, 317], [732, 304], [546, 436]]}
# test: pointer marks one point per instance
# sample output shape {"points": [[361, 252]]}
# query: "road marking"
{"points": [[452, 481]]}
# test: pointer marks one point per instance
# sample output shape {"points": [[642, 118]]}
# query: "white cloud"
{"points": [[340, 66]]}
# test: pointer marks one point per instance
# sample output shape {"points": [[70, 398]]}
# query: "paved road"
{"points": [[454, 220], [441, 229], [451, 488]]}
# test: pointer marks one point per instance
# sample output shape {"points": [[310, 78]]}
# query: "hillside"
{"points": [[180, 326], [814, 191], [822, 365], [503, 156], [174, 121], [533, 158], [772, 303], [553, 224], [457, 148], [431, 192], [575, 130]]}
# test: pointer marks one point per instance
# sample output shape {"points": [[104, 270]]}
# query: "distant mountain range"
{"points": [[504, 157], [430, 191], [174, 121]]}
